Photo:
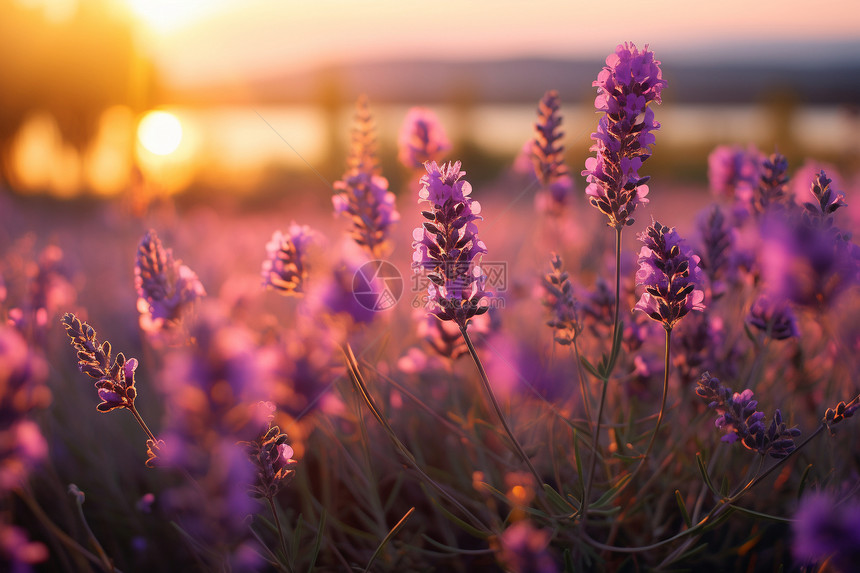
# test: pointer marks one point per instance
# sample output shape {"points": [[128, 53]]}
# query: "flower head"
{"points": [[561, 302], [284, 269], [166, 288], [364, 199], [740, 418], [422, 139], [772, 185], [447, 246], [525, 549], [114, 381], [734, 171], [774, 318], [271, 456], [670, 273], [629, 82]]}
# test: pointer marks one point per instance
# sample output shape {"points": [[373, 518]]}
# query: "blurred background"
{"points": [[103, 98]]}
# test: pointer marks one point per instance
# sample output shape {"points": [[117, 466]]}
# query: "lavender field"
{"points": [[527, 363]]}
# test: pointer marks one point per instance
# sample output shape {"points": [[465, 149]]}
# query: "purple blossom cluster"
{"points": [[22, 392], [775, 319], [422, 139], [447, 246], [166, 289], [362, 195], [525, 548], [284, 269], [670, 273], [739, 417], [827, 529], [548, 155], [630, 81], [734, 172], [772, 190]]}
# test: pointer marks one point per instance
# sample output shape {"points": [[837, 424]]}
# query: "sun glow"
{"points": [[159, 132], [163, 16]]}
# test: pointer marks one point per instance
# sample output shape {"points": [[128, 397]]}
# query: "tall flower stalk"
{"points": [[362, 195], [627, 85], [114, 379], [448, 250], [548, 155]]}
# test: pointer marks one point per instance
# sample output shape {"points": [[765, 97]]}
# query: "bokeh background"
{"points": [[257, 95]]}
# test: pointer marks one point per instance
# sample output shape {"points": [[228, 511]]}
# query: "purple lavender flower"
{"points": [[284, 269], [773, 184], [629, 82], [670, 273], [742, 421], [548, 155], [698, 346], [17, 553], [22, 390], [808, 172], [524, 549], [114, 381], [833, 416], [166, 288], [806, 260], [364, 198], [271, 456], [561, 302], [734, 172], [827, 202], [774, 318], [827, 529], [422, 139], [447, 246], [717, 250]]}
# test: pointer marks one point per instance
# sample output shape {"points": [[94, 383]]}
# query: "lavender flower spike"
{"points": [[284, 269], [365, 200], [548, 153], [629, 82], [447, 246], [670, 273], [166, 288], [421, 138]]}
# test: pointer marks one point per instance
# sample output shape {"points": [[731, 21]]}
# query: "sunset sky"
{"points": [[202, 41]]}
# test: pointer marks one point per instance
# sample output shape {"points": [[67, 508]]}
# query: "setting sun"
{"points": [[159, 132]]}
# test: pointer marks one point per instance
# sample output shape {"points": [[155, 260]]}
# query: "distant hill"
{"points": [[810, 80]]}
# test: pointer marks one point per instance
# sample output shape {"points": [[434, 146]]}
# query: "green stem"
{"points": [[142, 424], [495, 403], [280, 532]]}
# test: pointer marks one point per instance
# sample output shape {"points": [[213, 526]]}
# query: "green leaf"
{"points": [[612, 492], [683, 507], [454, 519], [560, 503], [317, 542], [397, 527], [704, 471], [760, 515], [297, 540], [588, 366], [803, 478]]}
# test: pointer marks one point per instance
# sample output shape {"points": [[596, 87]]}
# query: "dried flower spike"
{"points": [[447, 246], [670, 273], [284, 269], [842, 410], [630, 81]]}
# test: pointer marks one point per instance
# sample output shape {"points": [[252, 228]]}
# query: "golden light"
{"points": [[159, 132], [165, 16]]}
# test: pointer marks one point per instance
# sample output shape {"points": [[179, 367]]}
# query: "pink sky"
{"points": [[218, 40]]}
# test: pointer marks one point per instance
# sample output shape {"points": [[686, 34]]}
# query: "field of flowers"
{"points": [[545, 373]]}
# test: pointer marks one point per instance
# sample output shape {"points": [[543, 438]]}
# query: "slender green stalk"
{"points": [[662, 401], [613, 355], [280, 532], [142, 424], [495, 403]]}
